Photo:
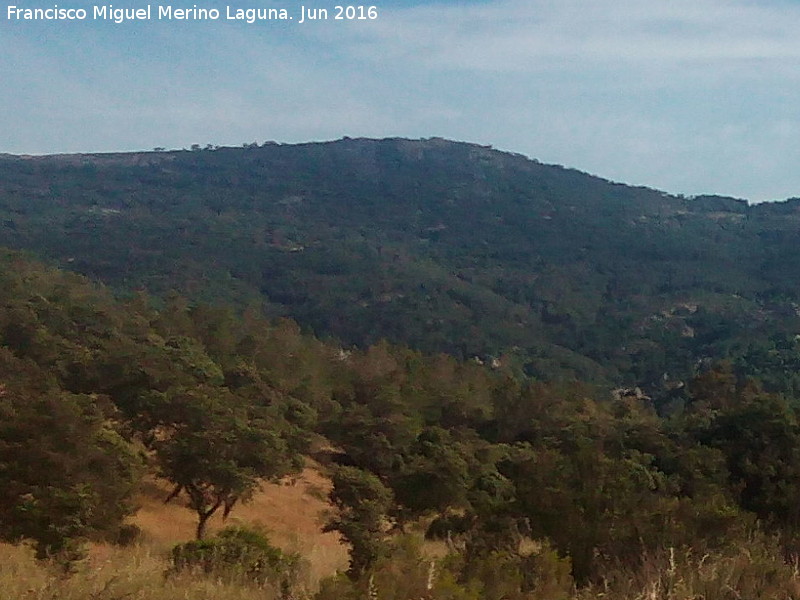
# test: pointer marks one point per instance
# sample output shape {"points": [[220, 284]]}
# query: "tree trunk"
{"points": [[201, 524], [203, 517], [174, 494]]}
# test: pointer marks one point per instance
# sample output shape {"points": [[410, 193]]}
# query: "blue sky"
{"points": [[691, 97]]}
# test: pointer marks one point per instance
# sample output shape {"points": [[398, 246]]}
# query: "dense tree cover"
{"points": [[442, 246], [532, 485], [363, 503], [92, 388], [217, 447], [66, 471]]}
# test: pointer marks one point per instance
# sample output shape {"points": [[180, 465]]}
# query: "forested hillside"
{"points": [[442, 246], [438, 327], [537, 490]]}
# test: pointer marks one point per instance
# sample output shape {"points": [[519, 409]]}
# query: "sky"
{"points": [[690, 97]]}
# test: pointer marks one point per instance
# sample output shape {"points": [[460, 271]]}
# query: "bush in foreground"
{"points": [[238, 554]]}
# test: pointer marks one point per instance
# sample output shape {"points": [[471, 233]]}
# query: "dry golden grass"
{"points": [[134, 573], [138, 573], [754, 571], [292, 512], [112, 573]]}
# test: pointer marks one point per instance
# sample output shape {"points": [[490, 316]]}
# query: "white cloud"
{"points": [[690, 97], [516, 34]]}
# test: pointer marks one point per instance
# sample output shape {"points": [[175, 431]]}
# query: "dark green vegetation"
{"points": [[92, 391], [239, 554], [535, 481], [535, 486], [442, 246]]}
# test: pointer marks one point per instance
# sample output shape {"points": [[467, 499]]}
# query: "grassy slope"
{"points": [[292, 513], [134, 573], [137, 573]]}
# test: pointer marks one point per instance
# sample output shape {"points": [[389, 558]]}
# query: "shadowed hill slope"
{"points": [[441, 245]]}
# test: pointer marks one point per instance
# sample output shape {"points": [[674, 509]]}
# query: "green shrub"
{"points": [[238, 554]]}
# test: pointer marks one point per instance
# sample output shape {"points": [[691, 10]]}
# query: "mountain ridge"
{"points": [[167, 154], [445, 246]]}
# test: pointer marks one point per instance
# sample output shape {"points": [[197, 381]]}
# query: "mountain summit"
{"points": [[444, 246]]}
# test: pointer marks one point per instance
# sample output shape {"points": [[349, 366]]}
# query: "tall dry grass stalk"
{"points": [[134, 573], [753, 571]]}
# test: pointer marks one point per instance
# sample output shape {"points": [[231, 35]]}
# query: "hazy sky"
{"points": [[688, 96]]}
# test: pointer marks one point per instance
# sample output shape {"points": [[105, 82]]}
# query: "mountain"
{"points": [[443, 246]]}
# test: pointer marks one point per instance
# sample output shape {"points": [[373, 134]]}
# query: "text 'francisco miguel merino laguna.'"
{"points": [[170, 13]]}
